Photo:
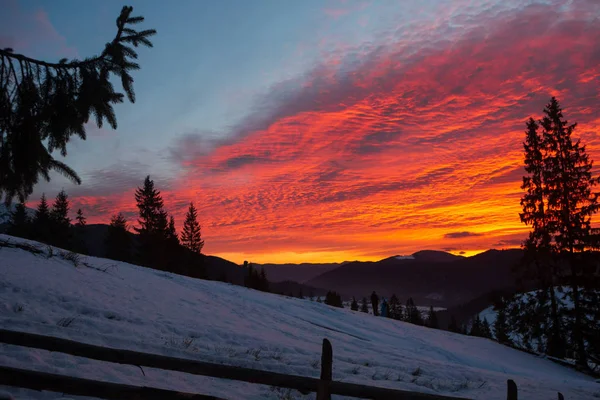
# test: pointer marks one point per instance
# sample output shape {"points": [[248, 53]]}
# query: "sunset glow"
{"points": [[407, 141]]}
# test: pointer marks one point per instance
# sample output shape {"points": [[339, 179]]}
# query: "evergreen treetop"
{"points": [[42, 105], [80, 218], [190, 236]]}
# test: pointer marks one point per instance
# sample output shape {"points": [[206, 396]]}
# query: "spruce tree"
{"points": [[60, 221], [172, 232], [190, 236], [395, 308], [19, 224], [81, 220], [432, 321], [42, 105], [486, 332], [571, 204], [41, 221], [412, 314], [153, 230], [364, 307], [118, 240], [354, 305], [501, 329], [476, 327], [537, 317]]}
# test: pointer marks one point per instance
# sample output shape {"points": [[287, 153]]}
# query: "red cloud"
{"points": [[385, 151]]}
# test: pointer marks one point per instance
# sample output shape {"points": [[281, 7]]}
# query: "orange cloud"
{"points": [[400, 147]]}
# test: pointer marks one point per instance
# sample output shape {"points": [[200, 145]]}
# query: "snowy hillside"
{"points": [[125, 306]]}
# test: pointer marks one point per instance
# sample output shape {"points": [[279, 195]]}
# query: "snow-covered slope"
{"points": [[125, 306]]}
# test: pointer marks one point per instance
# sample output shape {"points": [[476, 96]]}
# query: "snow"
{"points": [[126, 306], [405, 257]]}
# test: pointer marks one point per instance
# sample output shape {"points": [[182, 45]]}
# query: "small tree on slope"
{"points": [[118, 241], [354, 305], [153, 228], [190, 236], [19, 224], [60, 221], [41, 221], [364, 306]]}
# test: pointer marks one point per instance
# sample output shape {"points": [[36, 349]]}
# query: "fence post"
{"points": [[324, 389], [560, 396], [512, 390]]}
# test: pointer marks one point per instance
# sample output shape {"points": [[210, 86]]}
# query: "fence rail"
{"points": [[324, 386]]}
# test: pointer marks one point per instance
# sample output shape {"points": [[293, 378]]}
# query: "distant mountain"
{"points": [[429, 277], [216, 267], [296, 272]]}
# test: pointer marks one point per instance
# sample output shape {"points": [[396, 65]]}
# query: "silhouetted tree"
{"points": [[412, 313], [432, 321], [395, 308], [41, 225], [19, 224], [476, 327], [190, 236], [118, 241], [571, 204], [334, 299], [60, 221], [536, 316], [364, 306], [375, 303], [79, 242], [354, 305], [43, 104], [300, 294], [319, 299], [486, 332], [153, 230], [558, 204], [81, 220], [501, 327]]}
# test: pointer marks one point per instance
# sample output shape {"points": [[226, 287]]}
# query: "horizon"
{"points": [[326, 131]]}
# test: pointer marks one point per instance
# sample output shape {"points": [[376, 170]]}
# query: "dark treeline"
{"points": [[157, 244]]}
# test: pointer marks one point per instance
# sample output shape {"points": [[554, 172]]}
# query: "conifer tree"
{"points": [[60, 221], [395, 308], [501, 328], [172, 232], [153, 228], [42, 105], [319, 299], [412, 314], [19, 224], [486, 332], [558, 204], [118, 240], [364, 306], [41, 221], [190, 236], [571, 204], [432, 321], [79, 242], [354, 305], [81, 220], [476, 327]]}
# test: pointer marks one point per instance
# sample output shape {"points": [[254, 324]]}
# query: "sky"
{"points": [[321, 131]]}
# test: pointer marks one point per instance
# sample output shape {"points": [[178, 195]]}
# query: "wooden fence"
{"points": [[324, 386]]}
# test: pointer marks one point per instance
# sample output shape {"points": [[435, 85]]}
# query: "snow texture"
{"points": [[119, 305]]}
